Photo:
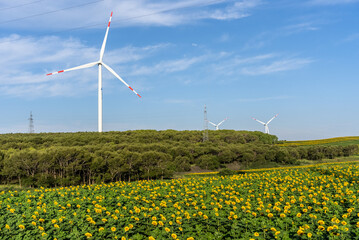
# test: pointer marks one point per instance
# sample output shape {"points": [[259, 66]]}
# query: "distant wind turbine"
{"points": [[266, 129], [100, 63], [217, 125]]}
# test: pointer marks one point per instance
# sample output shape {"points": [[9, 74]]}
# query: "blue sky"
{"points": [[243, 59]]}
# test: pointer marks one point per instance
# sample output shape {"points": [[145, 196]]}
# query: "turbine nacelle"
{"points": [[266, 128], [217, 125], [99, 63]]}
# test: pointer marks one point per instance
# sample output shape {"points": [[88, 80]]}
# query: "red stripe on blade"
{"points": [[130, 88], [48, 74], [111, 14], [60, 71], [109, 24], [139, 95]]}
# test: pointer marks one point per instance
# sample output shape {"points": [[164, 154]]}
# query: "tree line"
{"points": [[62, 159]]}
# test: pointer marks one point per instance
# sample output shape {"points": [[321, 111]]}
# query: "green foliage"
{"points": [[312, 202], [208, 161], [62, 159], [226, 171]]}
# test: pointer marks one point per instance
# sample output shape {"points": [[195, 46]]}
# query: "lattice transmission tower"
{"points": [[31, 124], [205, 125]]}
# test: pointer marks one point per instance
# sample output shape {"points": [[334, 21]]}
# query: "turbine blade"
{"points": [[222, 121], [105, 39], [272, 118], [87, 65], [116, 75], [212, 123], [258, 121]]}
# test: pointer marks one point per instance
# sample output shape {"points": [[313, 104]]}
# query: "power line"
{"points": [[31, 124], [120, 20], [205, 125], [150, 14], [49, 12], [21, 5]]}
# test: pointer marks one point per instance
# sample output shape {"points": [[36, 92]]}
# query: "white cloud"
{"points": [[331, 2], [231, 64], [264, 99], [352, 37], [23, 70], [126, 13], [169, 66], [239, 9], [132, 54], [258, 65], [264, 38], [276, 66], [300, 27]]}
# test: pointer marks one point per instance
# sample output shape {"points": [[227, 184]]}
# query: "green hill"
{"points": [[63, 159], [340, 141]]}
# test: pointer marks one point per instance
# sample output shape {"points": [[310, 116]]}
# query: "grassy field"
{"points": [[304, 202], [330, 141]]}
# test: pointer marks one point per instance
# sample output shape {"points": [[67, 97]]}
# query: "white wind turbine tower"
{"points": [[100, 63], [217, 125], [266, 129]]}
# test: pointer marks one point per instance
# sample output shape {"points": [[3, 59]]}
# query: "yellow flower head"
{"points": [[88, 235]]}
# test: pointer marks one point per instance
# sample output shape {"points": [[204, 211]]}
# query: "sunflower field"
{"points": [[317, 202], [328, 141]]}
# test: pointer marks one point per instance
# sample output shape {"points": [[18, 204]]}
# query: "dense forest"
{"points": [[62, 159]]}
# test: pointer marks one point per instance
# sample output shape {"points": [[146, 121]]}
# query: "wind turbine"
{"points": [[217, 125], [266, 129], [100, 63]]}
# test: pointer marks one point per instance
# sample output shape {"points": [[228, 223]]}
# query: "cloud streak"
{"points": [[331, 2], [264, 99], [263, 64], [126, 13], [277, 66], [23, 70]]}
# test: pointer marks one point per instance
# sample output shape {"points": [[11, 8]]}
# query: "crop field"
{"points": [[313, 202], [343, 141]]}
